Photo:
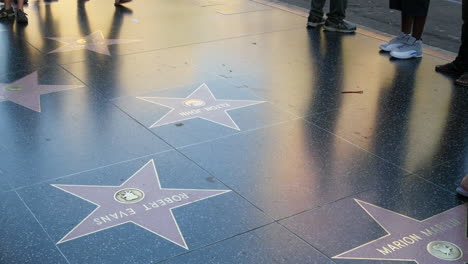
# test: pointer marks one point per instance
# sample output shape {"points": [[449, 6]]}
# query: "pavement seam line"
{"points": [[43, 229]]}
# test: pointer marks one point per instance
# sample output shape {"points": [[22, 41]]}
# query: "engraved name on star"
{"points": [[201, 103], [27, 92], [436, 240], [139, 200], [93, 42]]}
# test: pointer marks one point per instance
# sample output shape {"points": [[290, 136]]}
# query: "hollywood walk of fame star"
{"points": [[201, 103], [27, 92], [139, 200], [93, 42], [436, 240]]}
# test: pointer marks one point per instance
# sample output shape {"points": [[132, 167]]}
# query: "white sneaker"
{"points": [[412, 48], [395, 42]]}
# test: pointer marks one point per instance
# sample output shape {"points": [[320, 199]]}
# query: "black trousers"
{"points": [[462, 59], [411, 7]]}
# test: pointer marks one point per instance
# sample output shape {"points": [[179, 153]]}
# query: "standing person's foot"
{"points": [[7, 13], [411, 48], [463, 189], [449, 68], [314, 21], [24, 3], [394, 43], [119, 2], [463, 81], [21, 16], [341, 26]]}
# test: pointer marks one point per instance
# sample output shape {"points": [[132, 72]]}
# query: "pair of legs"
{"points": [[19, 4], [337, 9], [413, 25], [7, 11], [335, 18], [413, 19]]}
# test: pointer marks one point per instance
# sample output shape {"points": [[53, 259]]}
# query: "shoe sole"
{"points": [[462, 192], [406, 57], [331, 29], [461, 83], [8, 16], [313, 25], [448, 72], [385, 49]]}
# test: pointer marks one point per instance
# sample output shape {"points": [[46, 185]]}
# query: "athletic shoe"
{"points": [[449, 68], [341, 26], [7, 13], [411, 48], [394, 43], [21, 16], [314, 21]]}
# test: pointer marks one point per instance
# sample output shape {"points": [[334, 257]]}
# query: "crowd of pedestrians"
{"points": [[8, 11], [408, 43]]}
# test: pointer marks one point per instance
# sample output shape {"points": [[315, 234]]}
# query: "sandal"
{"points": [[462, 192], [463, 80]]}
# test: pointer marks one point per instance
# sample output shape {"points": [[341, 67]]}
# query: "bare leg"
{"points": [[418, 27], [7, 4], [406, 24]]}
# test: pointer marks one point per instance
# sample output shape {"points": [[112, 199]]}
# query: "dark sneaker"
{"points": [[463, 80], [449, 68], [342, 26], [21, 17], [7, 13], [314, 21]]}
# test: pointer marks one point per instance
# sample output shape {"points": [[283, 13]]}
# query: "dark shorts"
{"points": [[411, 7]]}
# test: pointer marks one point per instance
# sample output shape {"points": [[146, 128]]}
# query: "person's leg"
{"points": [[460, 64], [7, 4], [335, 19], [411, 47], [337, 10], [462, 59], [418, 27], [316, 8], [7, 10], [406, 24], [21, 16], [19, 5]]}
